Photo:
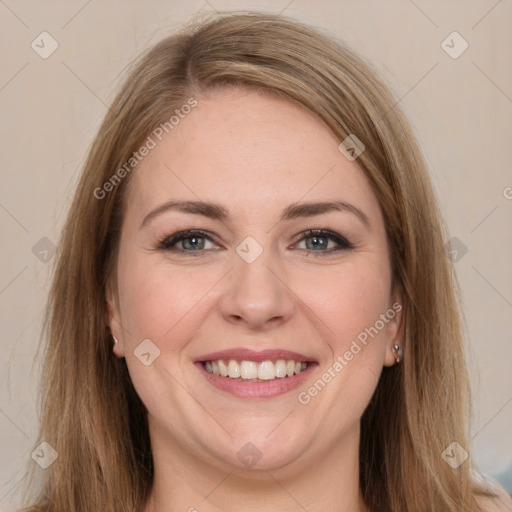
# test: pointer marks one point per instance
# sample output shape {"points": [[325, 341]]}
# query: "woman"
{"points": [[252, 308]]}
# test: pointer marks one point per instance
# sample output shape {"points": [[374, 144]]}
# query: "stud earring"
{"points": [[115, 339], [397, 350]]}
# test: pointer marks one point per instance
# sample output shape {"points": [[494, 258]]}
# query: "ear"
{"points": [[114, 317], [395, 327]]}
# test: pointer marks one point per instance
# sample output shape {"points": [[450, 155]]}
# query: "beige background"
{"points": [[461, 110]]}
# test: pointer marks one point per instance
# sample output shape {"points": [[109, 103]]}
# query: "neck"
{"points": [[327, 481]]}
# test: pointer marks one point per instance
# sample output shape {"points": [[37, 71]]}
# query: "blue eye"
{"points": [[320, 241], [194, 241], [191, 241]]}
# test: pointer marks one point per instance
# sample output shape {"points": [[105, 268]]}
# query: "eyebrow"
{"points": [[218, 212]]}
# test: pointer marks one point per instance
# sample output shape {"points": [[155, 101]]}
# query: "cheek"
{"points": [[162, 304], [349, 303], [348, 299], [157, 299]]}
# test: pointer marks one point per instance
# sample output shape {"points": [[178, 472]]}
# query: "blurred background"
{"points": [[449, 65]]}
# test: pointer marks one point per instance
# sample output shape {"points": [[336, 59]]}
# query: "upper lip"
{"points": [[245, 354]]}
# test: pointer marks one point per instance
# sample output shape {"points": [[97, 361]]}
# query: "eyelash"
{"points": [[168, 243]]}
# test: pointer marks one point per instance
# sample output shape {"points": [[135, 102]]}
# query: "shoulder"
{"points": [[501, 503]]}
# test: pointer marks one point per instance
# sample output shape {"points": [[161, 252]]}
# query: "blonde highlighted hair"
{"points": [[90, 412]]}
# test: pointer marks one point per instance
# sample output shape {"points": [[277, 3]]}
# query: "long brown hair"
{"points": [[90, 412]]}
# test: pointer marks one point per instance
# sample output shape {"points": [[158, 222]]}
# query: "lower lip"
{"points": [[267, 389]]}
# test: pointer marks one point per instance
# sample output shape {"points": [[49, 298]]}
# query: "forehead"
{"points": [[252, 152]]}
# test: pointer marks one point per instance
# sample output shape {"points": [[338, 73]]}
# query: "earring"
{"points": [[397, 350], [115, 339]]}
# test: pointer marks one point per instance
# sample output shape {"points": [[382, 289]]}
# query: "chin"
{"points": [[247, 451]]}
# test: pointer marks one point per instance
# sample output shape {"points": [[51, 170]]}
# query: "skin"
{"points": [[255, 155]]}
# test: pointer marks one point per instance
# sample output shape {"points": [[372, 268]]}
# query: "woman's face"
{"points": [[254, 285]]}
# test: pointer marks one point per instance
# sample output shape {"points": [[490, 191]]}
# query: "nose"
{"points": [[256, 295]]}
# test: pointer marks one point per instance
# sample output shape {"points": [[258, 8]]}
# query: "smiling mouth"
{"points": [[252, 371]]}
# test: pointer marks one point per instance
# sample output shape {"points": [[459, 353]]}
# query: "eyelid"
{"points": [[320, 232], [168, 242], [342, 241], [343, 244]]}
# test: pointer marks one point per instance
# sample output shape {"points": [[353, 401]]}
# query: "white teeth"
{"points": [[280, 368], [250, 370], [233, 369], [266, 370], [290, 368], [223, 368]]}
